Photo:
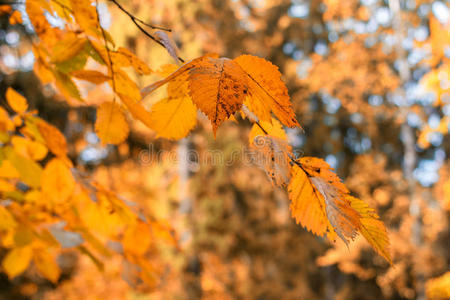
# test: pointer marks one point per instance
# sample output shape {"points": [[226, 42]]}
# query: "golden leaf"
{"points": [[93, 76], [272, 155], [57, 181], [307, 207], [17, 102], [173, 118], [17, 261], [46, 264], [15, 18], [30, 172], [372, 228], [29, 148], [125, 86], [111, 125], [137, 238], [274, 129], [438, 288], [267, 92], [218, 88], [54, 139], [67, 48]]}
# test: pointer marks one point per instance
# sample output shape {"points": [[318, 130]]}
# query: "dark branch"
{"points": [[138, 23]]}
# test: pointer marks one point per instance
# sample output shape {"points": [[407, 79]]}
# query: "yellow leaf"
{"points": [[90, 75], [5, 122], [111, 125], [46, 264], [372, 228], [438, 288], [272, 155], [125, 86], [15, 18], [17, 102], [17, 261], [137, 239], [29, 171], [218, 87], [68, 47], [274, 129], [7, 170], [6, 186], [86, 16], [6, 219], [29, 148], [124, 58], [54, 139], [57, 181], [173, 118], [306, 206], [267, 92]]}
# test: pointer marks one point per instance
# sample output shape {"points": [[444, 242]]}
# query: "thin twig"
{"points": [[136, 22], [290, 157], [137, 19], [107, 52]]}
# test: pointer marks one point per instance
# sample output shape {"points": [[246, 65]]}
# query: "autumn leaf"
{"points": [[46, 265], [307, 206], [372, 228], [273, 128], [267, 92], [30, 172], [173, 118], [111, 125], [92, 76], [16, 101], [218, 87], [272, 155], [17, 260], [54, 139], [57, 181]]}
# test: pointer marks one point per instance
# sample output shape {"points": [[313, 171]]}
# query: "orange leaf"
{"points": [[54, 139], [57, 181], [46, 264], [111, 125], [17, 261], [90, 75], [372, 228], [17, 102], [267, 92], [218, 88]]}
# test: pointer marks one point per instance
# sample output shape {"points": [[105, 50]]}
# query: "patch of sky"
{"points": [[299, 10], [423, 10], [427, 172], [383, 16], [421, 33], [27, 61], [441, 11], [331, 104], [12, 38], [321, 48], [375, 100], [297, 55], [413, 120], [368, 2], [288, 48], [434, 120], [332, 160], [303, 68], [333, 36]]}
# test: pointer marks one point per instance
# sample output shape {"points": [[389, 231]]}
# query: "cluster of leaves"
{"points": [[48, 206], [219, 87]]}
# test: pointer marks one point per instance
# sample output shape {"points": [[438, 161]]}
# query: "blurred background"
{"points": [[369, 81]]}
